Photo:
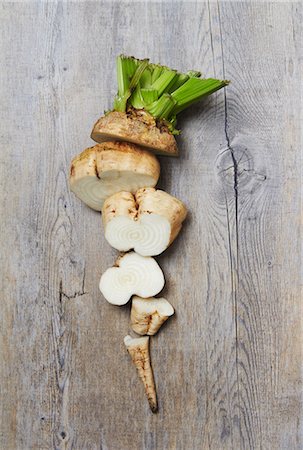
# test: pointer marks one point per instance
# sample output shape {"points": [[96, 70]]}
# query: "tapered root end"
{"points": [[138, 348], [154, 407]]}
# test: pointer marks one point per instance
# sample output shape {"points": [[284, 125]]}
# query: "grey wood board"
{"points": [[227, 365]]}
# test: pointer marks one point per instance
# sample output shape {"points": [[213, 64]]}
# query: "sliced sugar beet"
{"points": [[147, 221], [149, 314], [138, 127], [132, 274], [102, 170]]}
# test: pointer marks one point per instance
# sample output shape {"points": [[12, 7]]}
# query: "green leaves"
{"points": [[193, 90], [129, 72], [165, 80], [163, 107], [161, 91], [126, 68]]}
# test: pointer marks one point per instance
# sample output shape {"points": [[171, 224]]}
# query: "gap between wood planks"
{"points": [[233, 273]]}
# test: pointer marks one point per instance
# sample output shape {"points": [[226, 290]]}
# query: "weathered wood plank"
{"points": [[227, 365], [266, 178]]}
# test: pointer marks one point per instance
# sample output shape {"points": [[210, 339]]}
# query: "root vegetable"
{"points": [[147, 103], [138, 348], [133, 275], [138, 127], [118, 176], [149, 314], [147, 222], [102, 170]]}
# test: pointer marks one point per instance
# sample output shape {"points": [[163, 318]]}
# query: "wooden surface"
{"points": [[227, 366]]}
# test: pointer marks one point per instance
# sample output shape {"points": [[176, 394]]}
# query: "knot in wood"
{"points": [[235, 168]]}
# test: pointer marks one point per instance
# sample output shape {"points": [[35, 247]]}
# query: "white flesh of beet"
{"points": [[135, 275]]}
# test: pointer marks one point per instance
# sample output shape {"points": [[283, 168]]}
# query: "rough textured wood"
{"points": [[227, 366]]}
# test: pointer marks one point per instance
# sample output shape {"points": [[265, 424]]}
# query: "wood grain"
{"points": [[227, 366]]}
